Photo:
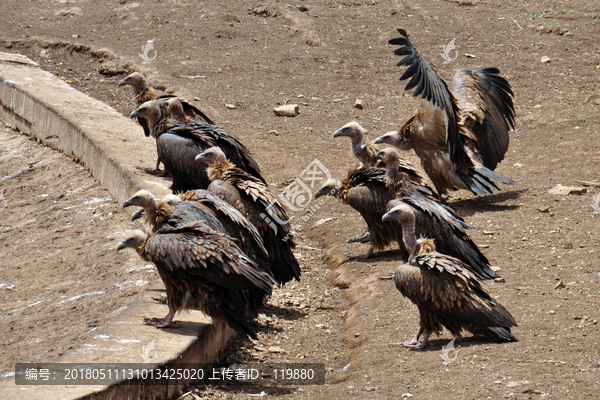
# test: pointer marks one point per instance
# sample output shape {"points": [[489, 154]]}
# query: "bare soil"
{"points": [[323, 55]]}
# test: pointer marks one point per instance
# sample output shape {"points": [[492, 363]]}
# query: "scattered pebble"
{"points": [[230, 106], [289, 110], [358, 103], [545, 59]]}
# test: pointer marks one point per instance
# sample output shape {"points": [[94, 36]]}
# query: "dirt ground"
{"points": [[323, 55]]}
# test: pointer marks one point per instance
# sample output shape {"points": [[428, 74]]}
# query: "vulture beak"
{"points": [[122, 245], [128, 203], [200, 157], [137, 215], [135, 113], [382, 140], [338, 133], [324, 191], [388, 216], [124, 81]]}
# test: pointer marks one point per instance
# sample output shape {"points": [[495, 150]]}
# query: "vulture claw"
{"points": [[362, 238]]}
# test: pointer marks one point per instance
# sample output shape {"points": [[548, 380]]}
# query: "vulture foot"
{"points": [[166, 322], [162, 299], [154, 171], [364, 237], [363, 256], [414, 343]]}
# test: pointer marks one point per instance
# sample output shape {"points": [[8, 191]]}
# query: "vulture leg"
{"points": [[364, 237], [166, 322], [156, 171], [414, 342], [368, 254]]}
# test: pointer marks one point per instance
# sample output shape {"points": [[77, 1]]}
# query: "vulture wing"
{"points": [[486, 112], [178, 154], [429, 86], [254, 200], [188, 108], [234, 150], [456, 296], [194, 251]]}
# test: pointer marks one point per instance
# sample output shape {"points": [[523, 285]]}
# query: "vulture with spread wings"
{"points": [[446, 291], [460, 134]]}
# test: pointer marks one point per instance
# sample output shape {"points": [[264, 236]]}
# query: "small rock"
{"points": [[494, 268], [560, 285], [197, 98], [565, 190], [289, 110], [358, 103], [489, 233], [544, 209], [545, 59], [230, 106], [273, 132], [537, 106], [469, 55], [44, 53], [69, 11], [499, 280], [322, 221], [551, 312], [356, 334], [276, 349]]}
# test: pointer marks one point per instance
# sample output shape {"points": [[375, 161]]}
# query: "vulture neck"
{"points": [[144, 94], [408, 234], [392, 166], [357, 146], [151, 212], [218, 170]]}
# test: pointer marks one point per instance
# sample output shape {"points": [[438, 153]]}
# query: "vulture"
{"points": [[446, 292], [362, 151], [364, 189], [460, 134], [202, 269], [200, 205], [178, 144], [438, 221], [255, 201], [143, 92]]}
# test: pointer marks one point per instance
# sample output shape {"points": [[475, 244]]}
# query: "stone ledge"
{"points": [[41, 105]]}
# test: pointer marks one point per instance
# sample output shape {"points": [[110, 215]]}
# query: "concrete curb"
{"points": [[109, 145]]}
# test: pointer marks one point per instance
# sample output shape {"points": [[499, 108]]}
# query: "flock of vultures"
{"points": [[223, 240]]}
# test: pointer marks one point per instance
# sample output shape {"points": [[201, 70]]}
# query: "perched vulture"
{"points": [[364, 190], [143, 92], [202, 269], [461, 134], [362, 151], [179, 143], [255, 201], [445, 290]]}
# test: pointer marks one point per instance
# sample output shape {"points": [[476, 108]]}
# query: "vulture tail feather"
{"points": [[502, 334], [237, 321]]}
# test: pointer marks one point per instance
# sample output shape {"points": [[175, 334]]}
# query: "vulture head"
{"points": [[143, 199], [404, 214], [171, 199], [390, 157], [137, 81], [136, 240], [212, 155], [175, 109], [352, 130], [330, 187], [151, 111], [394, 138]]}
